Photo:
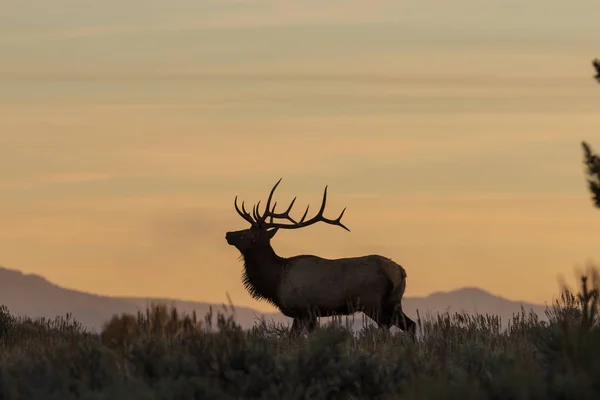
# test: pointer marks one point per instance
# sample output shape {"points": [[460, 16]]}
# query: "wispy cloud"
{"points": [[219, 16], [76, 177], [56, 178]]}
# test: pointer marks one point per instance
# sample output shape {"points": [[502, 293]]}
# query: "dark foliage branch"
{"points": [[591, 160], [592, 163]]}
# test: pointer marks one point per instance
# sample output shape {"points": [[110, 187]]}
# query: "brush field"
{"points": [[163, 355]]}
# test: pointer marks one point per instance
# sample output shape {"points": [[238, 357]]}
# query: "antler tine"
{"points": [[256, 213], [244, 209], [290, 206], [338, 220], [305, 213], [268, 206], [284, 215], [322, 209], [243, 213], [272, 212]]}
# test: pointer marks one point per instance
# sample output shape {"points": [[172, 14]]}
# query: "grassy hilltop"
{"points": [[164, 355]]}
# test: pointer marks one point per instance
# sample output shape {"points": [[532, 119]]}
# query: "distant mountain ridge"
{"points": [[34, 296]]}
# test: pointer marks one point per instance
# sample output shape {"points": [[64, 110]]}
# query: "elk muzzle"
{"points": [[230, 237]]}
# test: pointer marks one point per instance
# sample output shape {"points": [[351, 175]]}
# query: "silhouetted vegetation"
{"points": [[591, 160], [592, 163], [161, 354]]}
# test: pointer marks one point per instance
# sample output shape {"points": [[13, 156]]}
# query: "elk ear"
{"points": [[272, 232]]}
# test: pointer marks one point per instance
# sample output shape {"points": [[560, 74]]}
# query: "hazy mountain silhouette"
{"points": [[34, 296]]}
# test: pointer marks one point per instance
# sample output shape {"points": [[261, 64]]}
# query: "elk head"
{"points": [[262, 231]]}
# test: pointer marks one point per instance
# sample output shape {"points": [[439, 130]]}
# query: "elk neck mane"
{"points": [[263, 270]]}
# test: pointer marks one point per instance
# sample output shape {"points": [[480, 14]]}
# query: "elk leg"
{"points": [[312, 324], [296, 326], [410, 325], [300, 323], [381, 318], [295, 330], [402, 321]]}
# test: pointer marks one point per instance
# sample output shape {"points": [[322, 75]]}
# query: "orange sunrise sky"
{"points": [[450, 130]]}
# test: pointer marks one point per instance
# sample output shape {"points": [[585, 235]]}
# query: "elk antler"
{"points": [[256, 219], [244, 214], [261, 220], [270, 213]]}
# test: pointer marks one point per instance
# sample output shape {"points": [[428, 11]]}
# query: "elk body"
{"points": [[305, 287]]}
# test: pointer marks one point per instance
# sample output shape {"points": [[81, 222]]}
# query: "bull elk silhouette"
{"points": [[305, 287]]}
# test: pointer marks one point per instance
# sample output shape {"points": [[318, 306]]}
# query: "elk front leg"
{"points": [[311, 324], [380, 317], [300, 323], [297, 327], [401, 320]]}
